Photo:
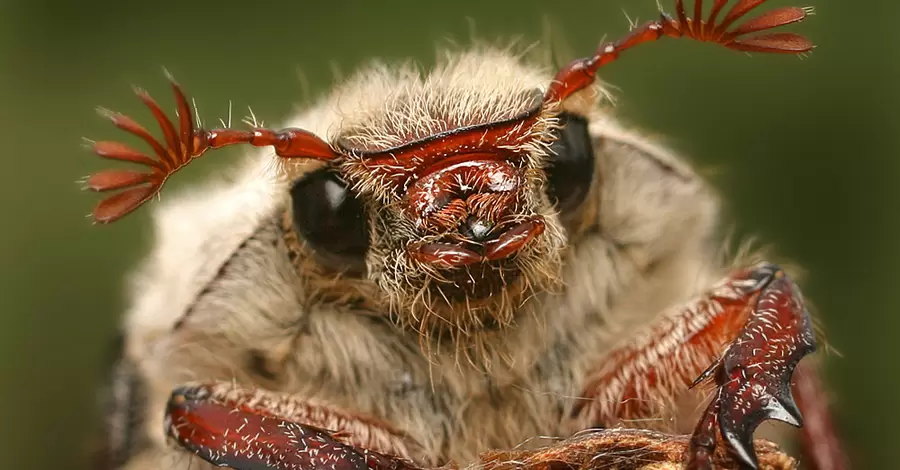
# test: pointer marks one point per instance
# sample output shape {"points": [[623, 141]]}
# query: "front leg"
{"points": [[228, 426], [753, 378], [758, 311], [759, 316]]}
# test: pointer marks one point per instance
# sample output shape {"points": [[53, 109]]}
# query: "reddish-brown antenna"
{"points": [[580, 73], [186, 143], [182, 145]]}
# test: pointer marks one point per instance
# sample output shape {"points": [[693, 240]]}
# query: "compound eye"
{"points": [[332, 221], [570, 172]]}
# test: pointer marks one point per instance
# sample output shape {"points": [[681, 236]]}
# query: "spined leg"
{"points": [[253, 430], [758, 314], [256, 430]]}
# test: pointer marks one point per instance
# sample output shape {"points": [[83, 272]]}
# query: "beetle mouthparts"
{"points": [[457, 255]]}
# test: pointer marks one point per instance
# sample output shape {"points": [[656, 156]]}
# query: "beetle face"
{"points": [[473, 270], [459, 227]]}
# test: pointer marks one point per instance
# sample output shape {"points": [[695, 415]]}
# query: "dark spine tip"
{"points": [[789, 411], [741, 449]]}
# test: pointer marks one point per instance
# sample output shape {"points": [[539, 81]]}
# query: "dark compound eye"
{"points": [[571, 168], [332, 221]]}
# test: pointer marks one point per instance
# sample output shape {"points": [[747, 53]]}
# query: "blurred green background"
{"points": [[806, 153]]}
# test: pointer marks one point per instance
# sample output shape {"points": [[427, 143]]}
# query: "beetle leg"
{"points": [[244, 430], [253, 429], [757, 317]]}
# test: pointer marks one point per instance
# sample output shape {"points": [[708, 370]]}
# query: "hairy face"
{"points": [[444, 197], [467, 261]]}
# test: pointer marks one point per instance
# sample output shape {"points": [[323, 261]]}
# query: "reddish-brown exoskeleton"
{"points": [[473, 210]]}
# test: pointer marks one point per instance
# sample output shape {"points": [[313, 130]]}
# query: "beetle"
{"points": [[436, 268]]}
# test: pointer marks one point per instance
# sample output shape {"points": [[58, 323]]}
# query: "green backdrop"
{"points": [[805, 153]]}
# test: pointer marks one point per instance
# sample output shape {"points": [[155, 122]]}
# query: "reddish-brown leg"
{"points": [[249, 430], [759, 316], [255, 430], [182, 145]]}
